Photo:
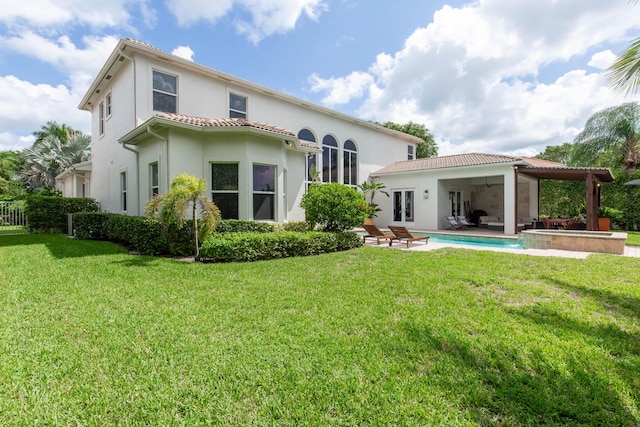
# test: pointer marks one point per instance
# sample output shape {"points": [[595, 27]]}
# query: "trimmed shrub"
{"points": [[243, 226], [300, 226], [48, 214], [90, 225], [230, 247], [334, 206]]}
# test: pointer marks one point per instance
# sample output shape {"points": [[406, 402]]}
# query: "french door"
{"points": [[403, 205]]}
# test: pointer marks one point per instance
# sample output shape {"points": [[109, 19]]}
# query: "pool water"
{"points": [[492, 242]]}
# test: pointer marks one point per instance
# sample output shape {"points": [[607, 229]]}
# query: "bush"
{"points": [[242, 226], [48, 214], [90, 225], [230, 247], [300, 226], [335, 207]]}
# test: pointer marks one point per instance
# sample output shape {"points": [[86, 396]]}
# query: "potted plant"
{"points": [[369, 191], [605, 215]]}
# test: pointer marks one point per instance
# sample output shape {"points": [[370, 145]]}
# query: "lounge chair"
{"points": [[376, 233], [463, 221], [453, 223], [401, 233]]}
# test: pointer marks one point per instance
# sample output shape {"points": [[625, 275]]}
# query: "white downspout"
{"points": [[166, 152], [124, 145]]}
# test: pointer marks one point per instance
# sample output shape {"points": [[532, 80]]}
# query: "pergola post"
{"points": [[592, 198]]}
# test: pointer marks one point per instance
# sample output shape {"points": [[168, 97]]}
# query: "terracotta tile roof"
{"points": [[237, 122], [462, 160]]}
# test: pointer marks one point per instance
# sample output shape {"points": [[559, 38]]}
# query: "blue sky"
{"points": [[494, 76]]}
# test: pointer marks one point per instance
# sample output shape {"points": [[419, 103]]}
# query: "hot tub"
{"points": [[575, 240]]}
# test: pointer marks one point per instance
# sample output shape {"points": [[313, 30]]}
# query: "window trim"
{"points": [[239, 112], [336, 147], [153, 89], [153, 187], [236, 191], [108, 106], [101, 118], [347, 168]]}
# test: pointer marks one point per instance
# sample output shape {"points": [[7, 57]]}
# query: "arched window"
{"points": [[311, 167], [329, 159], [350, 154]]}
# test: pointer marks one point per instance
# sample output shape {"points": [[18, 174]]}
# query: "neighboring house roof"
{"points": [[122, 51], [77, 168], [216, 125], [542, 169]]}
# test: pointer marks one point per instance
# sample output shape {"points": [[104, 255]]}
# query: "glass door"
{"points": [[403, 205]]}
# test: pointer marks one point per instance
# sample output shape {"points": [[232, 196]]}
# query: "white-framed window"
{"points": [[123, 191], [350, 163], [154, 187], [311, 159], [410, 153], [264, 192], [165, 92], [107, 105], [224, 189], [403, 205], [101, 118], [237, 106], [329, 159]]}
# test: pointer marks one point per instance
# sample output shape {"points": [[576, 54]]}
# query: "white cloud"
{"points": [[183, 52], [602, 60], [473, 75], [267, 17]]}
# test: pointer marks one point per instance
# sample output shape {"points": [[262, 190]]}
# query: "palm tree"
{"points": [[186, 191], [624, 74], [52, 153], [613, 135]]}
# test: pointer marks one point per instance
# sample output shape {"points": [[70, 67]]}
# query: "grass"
{"points": [[633, 238], [90, 335]]}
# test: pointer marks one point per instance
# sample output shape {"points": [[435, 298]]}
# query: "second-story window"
{"points": [[237, 106], [165, 92], [107, 105], [410, 155]]}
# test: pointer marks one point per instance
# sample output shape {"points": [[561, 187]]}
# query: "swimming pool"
{"points": [[492, 242]]}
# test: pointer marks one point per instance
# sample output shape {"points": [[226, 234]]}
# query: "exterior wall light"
{"points": [[426, 194]]}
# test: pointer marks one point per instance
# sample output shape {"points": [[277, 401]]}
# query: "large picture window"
{"points": [[350, 161], [264, 192], [165, 92], [329, 159], [237, 106], [224, 189]]}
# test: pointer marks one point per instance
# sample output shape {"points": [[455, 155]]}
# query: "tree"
{"points": [[610, 137], [426, 148], [186, 192], [55, 149], [369, 191], [334, 206], [561, 197], [10, 165], [624, 74]]}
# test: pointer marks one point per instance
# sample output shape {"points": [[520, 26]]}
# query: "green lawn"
{"points": [[633, 238], [90, 335]]}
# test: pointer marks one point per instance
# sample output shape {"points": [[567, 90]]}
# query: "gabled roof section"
{"points": [[537, 168], [203, 124], [212, 123], [126, 47], [445, 162]]}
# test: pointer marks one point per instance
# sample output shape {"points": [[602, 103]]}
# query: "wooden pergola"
{"points": [[593, 178]]}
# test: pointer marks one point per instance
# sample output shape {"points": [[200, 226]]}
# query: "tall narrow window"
{"points": [[224, 189], [329, 159], [165, 92], [101, 118], [410, 155], [237, 106], [123, 191], [264, 192], [154, 188], [107, 105], [311, 166], [350, 161]]}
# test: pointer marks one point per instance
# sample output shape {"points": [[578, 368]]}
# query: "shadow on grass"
{"points": [[61, 246], [505, 384]]}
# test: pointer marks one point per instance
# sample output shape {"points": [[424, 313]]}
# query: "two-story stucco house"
{"points": [[156, 115]]}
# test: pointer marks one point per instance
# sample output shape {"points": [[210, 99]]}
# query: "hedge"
{"points": [[231, 247], [244, 226], [144, 235], [47, 214]]}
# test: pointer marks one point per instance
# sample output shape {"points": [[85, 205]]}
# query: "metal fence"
{"points": [[12, 217]]}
